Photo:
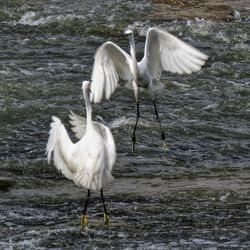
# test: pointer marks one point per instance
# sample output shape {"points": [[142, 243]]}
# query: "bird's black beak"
{"points": [[90, 86]]}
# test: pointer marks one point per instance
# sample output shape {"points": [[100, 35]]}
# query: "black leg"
{"points": [[163, 137], [106, 216], [86, 202], [84, 220], [137, 118]]}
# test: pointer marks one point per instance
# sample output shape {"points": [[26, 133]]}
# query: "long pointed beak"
{"points": [[90, 86]]}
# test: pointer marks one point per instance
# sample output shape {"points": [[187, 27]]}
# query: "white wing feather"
{"points": [[79, 128], [79, 124], [110, 144], [60, 144], [111, 64], [164, 51]]}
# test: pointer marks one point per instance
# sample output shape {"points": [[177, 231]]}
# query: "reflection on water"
{"points": [[195, 195]]}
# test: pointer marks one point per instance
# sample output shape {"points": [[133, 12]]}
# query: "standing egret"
{"points": [[88, 162], [163, 52]]}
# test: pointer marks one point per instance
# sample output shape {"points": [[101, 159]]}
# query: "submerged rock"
{"points": [[219, 10]]}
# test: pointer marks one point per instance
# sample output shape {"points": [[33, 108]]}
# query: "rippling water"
{"points": [[195, 195]]}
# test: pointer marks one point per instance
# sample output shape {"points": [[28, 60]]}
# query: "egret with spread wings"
{"points": [[89, 161], [163, 52]]}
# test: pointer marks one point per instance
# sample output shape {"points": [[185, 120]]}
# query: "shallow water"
{"points": [[195, 195]]}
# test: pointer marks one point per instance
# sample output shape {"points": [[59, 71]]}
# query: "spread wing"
{"points": [[79, 124], [79, 128], [164, 51], [111, 64], [61, 146]]}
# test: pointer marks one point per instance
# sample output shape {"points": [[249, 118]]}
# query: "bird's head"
{"points": [[128, 33], [86, 86]]}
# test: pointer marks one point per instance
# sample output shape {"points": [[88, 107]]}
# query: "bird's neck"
{"points": [[133, 55], [88, 109]]}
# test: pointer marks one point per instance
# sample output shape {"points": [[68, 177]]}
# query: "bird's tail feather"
{"points": [[107, 178], [85, 180]]}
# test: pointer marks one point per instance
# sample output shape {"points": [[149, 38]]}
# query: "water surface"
{"points": [[195, 195]]}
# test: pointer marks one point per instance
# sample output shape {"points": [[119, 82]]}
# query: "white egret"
{"points": [[89, 161], [163, 52]]}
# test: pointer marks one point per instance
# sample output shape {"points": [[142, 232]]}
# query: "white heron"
{"points": [[88, 162], [163, 52]]}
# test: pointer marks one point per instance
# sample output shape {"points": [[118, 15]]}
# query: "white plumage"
{"points": [[88, 162], [163, 52]]}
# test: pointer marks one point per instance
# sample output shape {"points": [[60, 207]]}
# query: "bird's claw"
{"points": [[84, 221], [165, 146], [106, 220], [163, 137]]}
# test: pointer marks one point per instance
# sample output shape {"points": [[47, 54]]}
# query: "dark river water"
{"points": [[195, 195]]}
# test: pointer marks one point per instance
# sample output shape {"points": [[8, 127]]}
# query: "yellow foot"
{"points": [[84, 221], [106, 220], [165, 146]]}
